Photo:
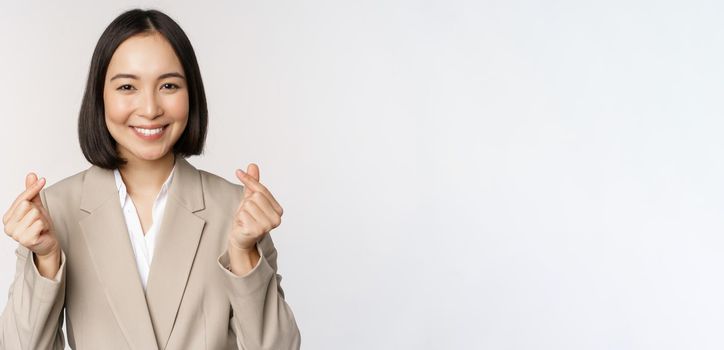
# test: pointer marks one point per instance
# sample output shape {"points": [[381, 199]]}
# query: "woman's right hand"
{"points": [[29, 224]]}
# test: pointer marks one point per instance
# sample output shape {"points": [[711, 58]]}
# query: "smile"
{"points": [[149, 134]]}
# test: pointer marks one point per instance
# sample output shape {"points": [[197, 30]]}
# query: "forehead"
{"points": [[144, 55]]}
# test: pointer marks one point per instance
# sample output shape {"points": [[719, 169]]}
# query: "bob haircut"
{"points": [[98, 146]]}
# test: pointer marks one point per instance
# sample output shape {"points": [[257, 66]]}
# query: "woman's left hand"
{"points": [[257, 214]]}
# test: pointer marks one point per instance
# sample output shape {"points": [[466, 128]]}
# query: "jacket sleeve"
{"points": [[33, 316], [261, 318]]}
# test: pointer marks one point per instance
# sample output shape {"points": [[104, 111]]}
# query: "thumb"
{"points": [[31, 180], [253, 171]]}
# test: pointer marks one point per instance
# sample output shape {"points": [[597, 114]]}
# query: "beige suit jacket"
{"points": [[191, 302]]}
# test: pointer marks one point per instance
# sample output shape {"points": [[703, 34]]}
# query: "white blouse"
{"points": [[143, 245]]}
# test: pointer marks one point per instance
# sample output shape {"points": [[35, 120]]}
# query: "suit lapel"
{"points": [[112, 254], [146, 319], [176, 246]]}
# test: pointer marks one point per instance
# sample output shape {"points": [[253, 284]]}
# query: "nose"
{"points": [[149, 106]]}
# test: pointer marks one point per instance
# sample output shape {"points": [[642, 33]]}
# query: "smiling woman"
{"points": [[147, 67], [146, 97], [160, 254]]}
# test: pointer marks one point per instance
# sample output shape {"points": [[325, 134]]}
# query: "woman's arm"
{"points": [[33, 318], [261, 317]]}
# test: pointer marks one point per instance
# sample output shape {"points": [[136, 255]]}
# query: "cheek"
{"points": [[117, 109], [176, 106]]}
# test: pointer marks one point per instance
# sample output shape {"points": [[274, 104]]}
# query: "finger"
{"points": [[249, 227], [22, 209], [263, 203], [21, 197], [262, 220], [28, 194], [251, 185], [253, 171], [12, 218], [8, 216], [34, 178], [44, 224], [21, 231], [37, 228], [32, 234], [11, 222], [30, 180], [246, 220], [32, 215]]}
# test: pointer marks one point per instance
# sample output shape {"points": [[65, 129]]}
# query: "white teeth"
{"points": [[148, 132]]}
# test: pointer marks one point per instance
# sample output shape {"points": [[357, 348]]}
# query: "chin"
{"points": [[148, 155], [154, 156]]}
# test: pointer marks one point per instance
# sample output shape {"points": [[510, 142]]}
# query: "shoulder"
{"points": [[66, 188], [215, 182], [217, 187]]}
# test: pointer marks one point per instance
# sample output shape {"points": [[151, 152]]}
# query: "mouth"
{"points": [[149, 134]]}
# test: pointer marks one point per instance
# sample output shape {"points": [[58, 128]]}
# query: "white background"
{"points": [[455, 175]]}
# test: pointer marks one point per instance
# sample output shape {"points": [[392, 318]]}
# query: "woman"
{"points": [[87, 242]]}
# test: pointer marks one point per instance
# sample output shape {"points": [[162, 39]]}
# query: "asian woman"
{"points": [[142, 250]]}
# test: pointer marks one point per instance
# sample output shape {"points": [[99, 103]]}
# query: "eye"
{"points": [[125, 87], [171, 86]]}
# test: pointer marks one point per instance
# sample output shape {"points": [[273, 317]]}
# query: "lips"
{"points": [[146, 133], [155, 126]]}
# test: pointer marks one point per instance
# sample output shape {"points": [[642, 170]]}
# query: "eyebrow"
{"points": [[162, 76]]}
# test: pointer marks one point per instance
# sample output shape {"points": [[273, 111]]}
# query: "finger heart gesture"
{"points": [[257, 214], [28, 222]]}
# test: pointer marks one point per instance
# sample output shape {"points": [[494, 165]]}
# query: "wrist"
{"points": [[48, 264], [50, 255], [242, 259], [240, 248]]}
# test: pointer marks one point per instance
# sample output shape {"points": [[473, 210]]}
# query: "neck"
{"points": [[145, 177]]}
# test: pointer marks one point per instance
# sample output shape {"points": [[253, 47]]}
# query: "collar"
{"points": [[121, 186], [99, 185]]}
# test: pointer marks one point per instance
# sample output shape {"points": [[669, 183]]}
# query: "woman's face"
{"points": [[145, 97]]}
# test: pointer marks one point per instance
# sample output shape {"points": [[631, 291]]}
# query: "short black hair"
{"points": [[96, 142]]}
